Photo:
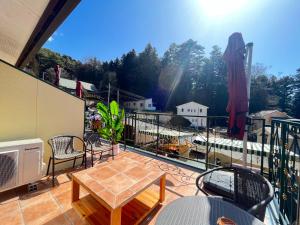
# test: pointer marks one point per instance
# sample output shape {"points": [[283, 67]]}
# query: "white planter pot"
{"points": [[116, 149]]}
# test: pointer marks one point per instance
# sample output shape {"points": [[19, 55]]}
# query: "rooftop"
{"points": [[71, 84]]}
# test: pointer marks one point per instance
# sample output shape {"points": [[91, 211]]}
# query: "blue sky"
{"points": [[107, 29]]}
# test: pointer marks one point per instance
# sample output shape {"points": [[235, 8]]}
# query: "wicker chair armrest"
{"points": [[208, 172], [257, 208]]}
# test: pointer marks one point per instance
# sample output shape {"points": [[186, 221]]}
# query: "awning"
{"points": [[166, 133], [25, 25]]}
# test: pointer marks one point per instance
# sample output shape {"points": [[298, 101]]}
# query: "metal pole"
{"points": [[262, 147], [248, 61], [157, 135], [108, 94], [207, 138]]}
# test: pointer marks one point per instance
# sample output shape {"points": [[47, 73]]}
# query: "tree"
{"points": [[128, 71], [148, 70], [296, 99], [90, 71], [211, 84], [258, 93], [284, 90], [186, 61], [48, 59]]}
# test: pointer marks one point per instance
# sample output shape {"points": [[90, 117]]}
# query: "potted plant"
{"points": [[113, 123], [95, 122]]}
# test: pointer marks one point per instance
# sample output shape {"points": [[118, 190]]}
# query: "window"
{"points": [[201, 110], [134, 104], [194, 110], [188, 110], [182, 110], [141, 104], [149, 105]]}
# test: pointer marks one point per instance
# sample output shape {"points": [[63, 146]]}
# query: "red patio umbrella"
{"points": [[237, 106], [78, 89], [57, 70]]}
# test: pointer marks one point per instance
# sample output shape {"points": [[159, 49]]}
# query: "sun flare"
{"points": [[221, 8]]}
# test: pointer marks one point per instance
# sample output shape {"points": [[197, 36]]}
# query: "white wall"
{"points": [[145, 104], [192, 109]]}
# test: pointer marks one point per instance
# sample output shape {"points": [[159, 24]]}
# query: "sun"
{"points": [[221, 8]]}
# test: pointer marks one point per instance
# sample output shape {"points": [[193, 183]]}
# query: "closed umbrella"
{"points": [[237, 106], [57, 71], [78, 89]]}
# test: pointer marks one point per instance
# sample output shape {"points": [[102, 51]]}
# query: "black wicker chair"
{"points": [[251, 191], [95, 146], [63, 150]]}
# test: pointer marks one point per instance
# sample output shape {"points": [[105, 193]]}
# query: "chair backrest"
{"points": [[93, 139], [62, 145], [250, 188]]}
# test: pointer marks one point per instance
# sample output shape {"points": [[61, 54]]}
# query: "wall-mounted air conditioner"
{"points": [[21, 162]]}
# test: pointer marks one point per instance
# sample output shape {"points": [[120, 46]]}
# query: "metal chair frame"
{"points": [[258, 209], [69, 147], [93, 139]]}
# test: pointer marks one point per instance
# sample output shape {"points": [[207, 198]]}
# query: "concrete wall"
{"points": [[30, 108]]}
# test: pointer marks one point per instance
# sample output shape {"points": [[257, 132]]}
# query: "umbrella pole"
{"points": [[248, 62]]}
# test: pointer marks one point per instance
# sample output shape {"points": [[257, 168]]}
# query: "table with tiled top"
{"points": [[118, 191]]}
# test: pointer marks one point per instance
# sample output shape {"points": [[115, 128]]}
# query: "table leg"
{"points": [[162, 188], [115, 216], [75, 191]]}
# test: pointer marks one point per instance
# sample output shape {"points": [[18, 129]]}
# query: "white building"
{"points": [[191, 110], [140, 105]]}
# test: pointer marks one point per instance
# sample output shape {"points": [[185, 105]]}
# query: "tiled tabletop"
{"points": [[118, 181]]}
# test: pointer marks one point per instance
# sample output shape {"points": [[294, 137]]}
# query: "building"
{"points": [[90, 92], [194, 112], [70, 85], [267, 115], [140, 105]]}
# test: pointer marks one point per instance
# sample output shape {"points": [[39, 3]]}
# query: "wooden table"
{"points": [[118, 191]]}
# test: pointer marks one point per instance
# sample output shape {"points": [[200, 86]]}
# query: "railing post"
{"points": [[262, 147], [157, 133], [125, 132], [271, 153], [135, 129], [207, 138], [282, 175]]}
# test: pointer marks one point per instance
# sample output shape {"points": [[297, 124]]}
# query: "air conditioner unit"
{"points": [[21, 162]]}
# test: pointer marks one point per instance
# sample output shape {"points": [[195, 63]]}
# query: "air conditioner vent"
{"points": [[8, 169]]}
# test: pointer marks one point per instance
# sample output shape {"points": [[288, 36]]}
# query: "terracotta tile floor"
{"points": [[52, 206]]}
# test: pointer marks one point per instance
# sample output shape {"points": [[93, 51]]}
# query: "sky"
{"points": [[108, 29]]}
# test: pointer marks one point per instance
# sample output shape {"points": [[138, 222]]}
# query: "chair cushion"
{"points": [[70, 155], [220, 183]]}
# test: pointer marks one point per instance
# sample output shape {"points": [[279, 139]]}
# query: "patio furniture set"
{"points": [[119, 193]]}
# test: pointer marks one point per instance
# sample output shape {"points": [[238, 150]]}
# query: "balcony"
{"points": [[53, 205]]}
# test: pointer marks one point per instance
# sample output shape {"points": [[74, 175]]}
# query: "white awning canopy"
{"points": [[25, 25]]}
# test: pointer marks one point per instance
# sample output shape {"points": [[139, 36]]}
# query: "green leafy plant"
{"points": [[112, 118]]}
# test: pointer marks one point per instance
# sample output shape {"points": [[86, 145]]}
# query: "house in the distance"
{"points": [[140, 105], [90, 92], [70, 85], [191, 111], [267, 115]]}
